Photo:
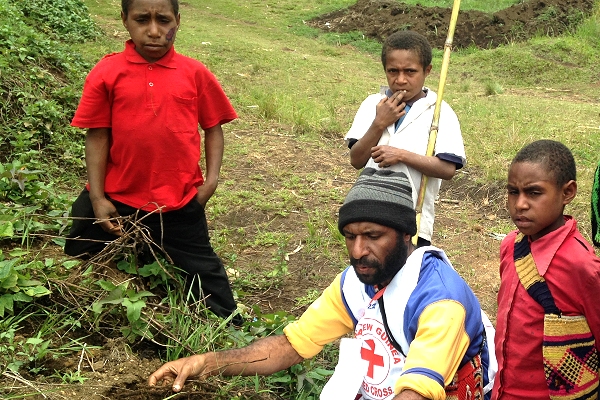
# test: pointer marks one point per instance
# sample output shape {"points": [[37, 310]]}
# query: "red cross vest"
{"points": [[385, 362]]}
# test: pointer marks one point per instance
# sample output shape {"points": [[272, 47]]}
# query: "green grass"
{"points": [[290, 79], [292, 83]]}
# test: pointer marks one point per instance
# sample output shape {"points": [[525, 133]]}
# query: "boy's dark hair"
{"points": [[407, 40], [125, 4], [555, 156]]}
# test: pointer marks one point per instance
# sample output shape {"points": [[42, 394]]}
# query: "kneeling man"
{"points": [[419, 329]]}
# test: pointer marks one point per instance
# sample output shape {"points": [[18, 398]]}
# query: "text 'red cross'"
{"points": [[370, 356]]}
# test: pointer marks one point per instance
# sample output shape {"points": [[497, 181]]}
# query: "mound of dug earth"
{"points": [[379, 18]]}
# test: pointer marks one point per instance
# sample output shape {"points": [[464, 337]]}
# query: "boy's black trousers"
{"points": [[184, 238]]}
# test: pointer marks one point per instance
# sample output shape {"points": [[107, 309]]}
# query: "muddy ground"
{"points": [[119, 370], [377, 19]]}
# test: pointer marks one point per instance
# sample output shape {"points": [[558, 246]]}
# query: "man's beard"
{"points": [[391, 265]]}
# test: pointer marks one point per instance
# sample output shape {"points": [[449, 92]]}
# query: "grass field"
{"points": [[285, 173], [276, 69]]}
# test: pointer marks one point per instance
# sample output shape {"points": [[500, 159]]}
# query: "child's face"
{"points": [[535, 201], [152, 26], [404, 71]]}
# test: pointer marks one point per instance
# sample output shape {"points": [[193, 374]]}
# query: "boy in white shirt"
{"points": [[391, 129]]}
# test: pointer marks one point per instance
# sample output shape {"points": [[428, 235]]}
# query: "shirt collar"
{"points": [[133, 56], [544, 249]]}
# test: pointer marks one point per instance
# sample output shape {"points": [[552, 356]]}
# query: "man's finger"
{"points": [[181, 377], [163, 373], [116, 231], [152, 380]]}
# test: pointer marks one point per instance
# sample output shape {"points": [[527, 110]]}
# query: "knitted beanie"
{"points": [[383, 197]]}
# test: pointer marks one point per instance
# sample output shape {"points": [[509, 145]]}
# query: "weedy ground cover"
{"points": [[285, 173]]}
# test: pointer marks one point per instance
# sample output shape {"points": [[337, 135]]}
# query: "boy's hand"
{"points": [[205, 192], [214, 143], [389, 110], [107, 216], [386, 156], [432, 166], [178, 371]]}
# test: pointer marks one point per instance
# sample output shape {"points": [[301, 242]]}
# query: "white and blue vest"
{"points": [[404, 299]]}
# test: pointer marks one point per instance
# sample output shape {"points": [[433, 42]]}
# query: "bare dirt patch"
{"points": [[377, 19]]}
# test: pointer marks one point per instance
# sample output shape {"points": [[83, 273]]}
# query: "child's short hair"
{"points": [[125, 4], [407, 40], [553, 155]]}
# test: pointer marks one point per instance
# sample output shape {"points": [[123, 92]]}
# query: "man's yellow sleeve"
{"points": [[437, 350], [323, 322]]}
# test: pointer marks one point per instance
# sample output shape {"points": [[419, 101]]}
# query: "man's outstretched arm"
{"points": [[263, 357]]}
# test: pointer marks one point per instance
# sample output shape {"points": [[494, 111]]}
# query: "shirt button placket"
{"points": [[150, 91], [150, 83]]}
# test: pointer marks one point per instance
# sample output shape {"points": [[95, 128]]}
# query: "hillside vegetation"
{"points": [[285, 173]]}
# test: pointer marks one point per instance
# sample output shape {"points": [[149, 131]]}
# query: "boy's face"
{"points": [[404, 71], [535, 201], [152, 26]]}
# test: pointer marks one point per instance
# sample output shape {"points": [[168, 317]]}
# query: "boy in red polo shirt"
{"points": [[142, 108], [548, 323]]}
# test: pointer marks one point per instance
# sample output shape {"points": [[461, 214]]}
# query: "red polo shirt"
{"points": [[153, 110], [568, 263]]}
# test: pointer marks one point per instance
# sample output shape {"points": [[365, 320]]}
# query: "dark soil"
{"points": [[377, 19]]}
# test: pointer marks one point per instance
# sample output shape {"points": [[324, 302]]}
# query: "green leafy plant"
{"points": [[154, 271], [269, 323], [306, 379], [67, 20], [21, 185], [16, 283], [33, 351], [129, 299], [17, 351], [37, 104], [10, 343], [70, 377]]}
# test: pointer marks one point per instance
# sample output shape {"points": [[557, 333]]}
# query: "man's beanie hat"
{"points": [[383, 197]]}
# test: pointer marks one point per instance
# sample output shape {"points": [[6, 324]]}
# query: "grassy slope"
{"points": [[313, 87]]}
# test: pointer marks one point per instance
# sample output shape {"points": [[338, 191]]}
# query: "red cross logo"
{"points": [[370, 356]]}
